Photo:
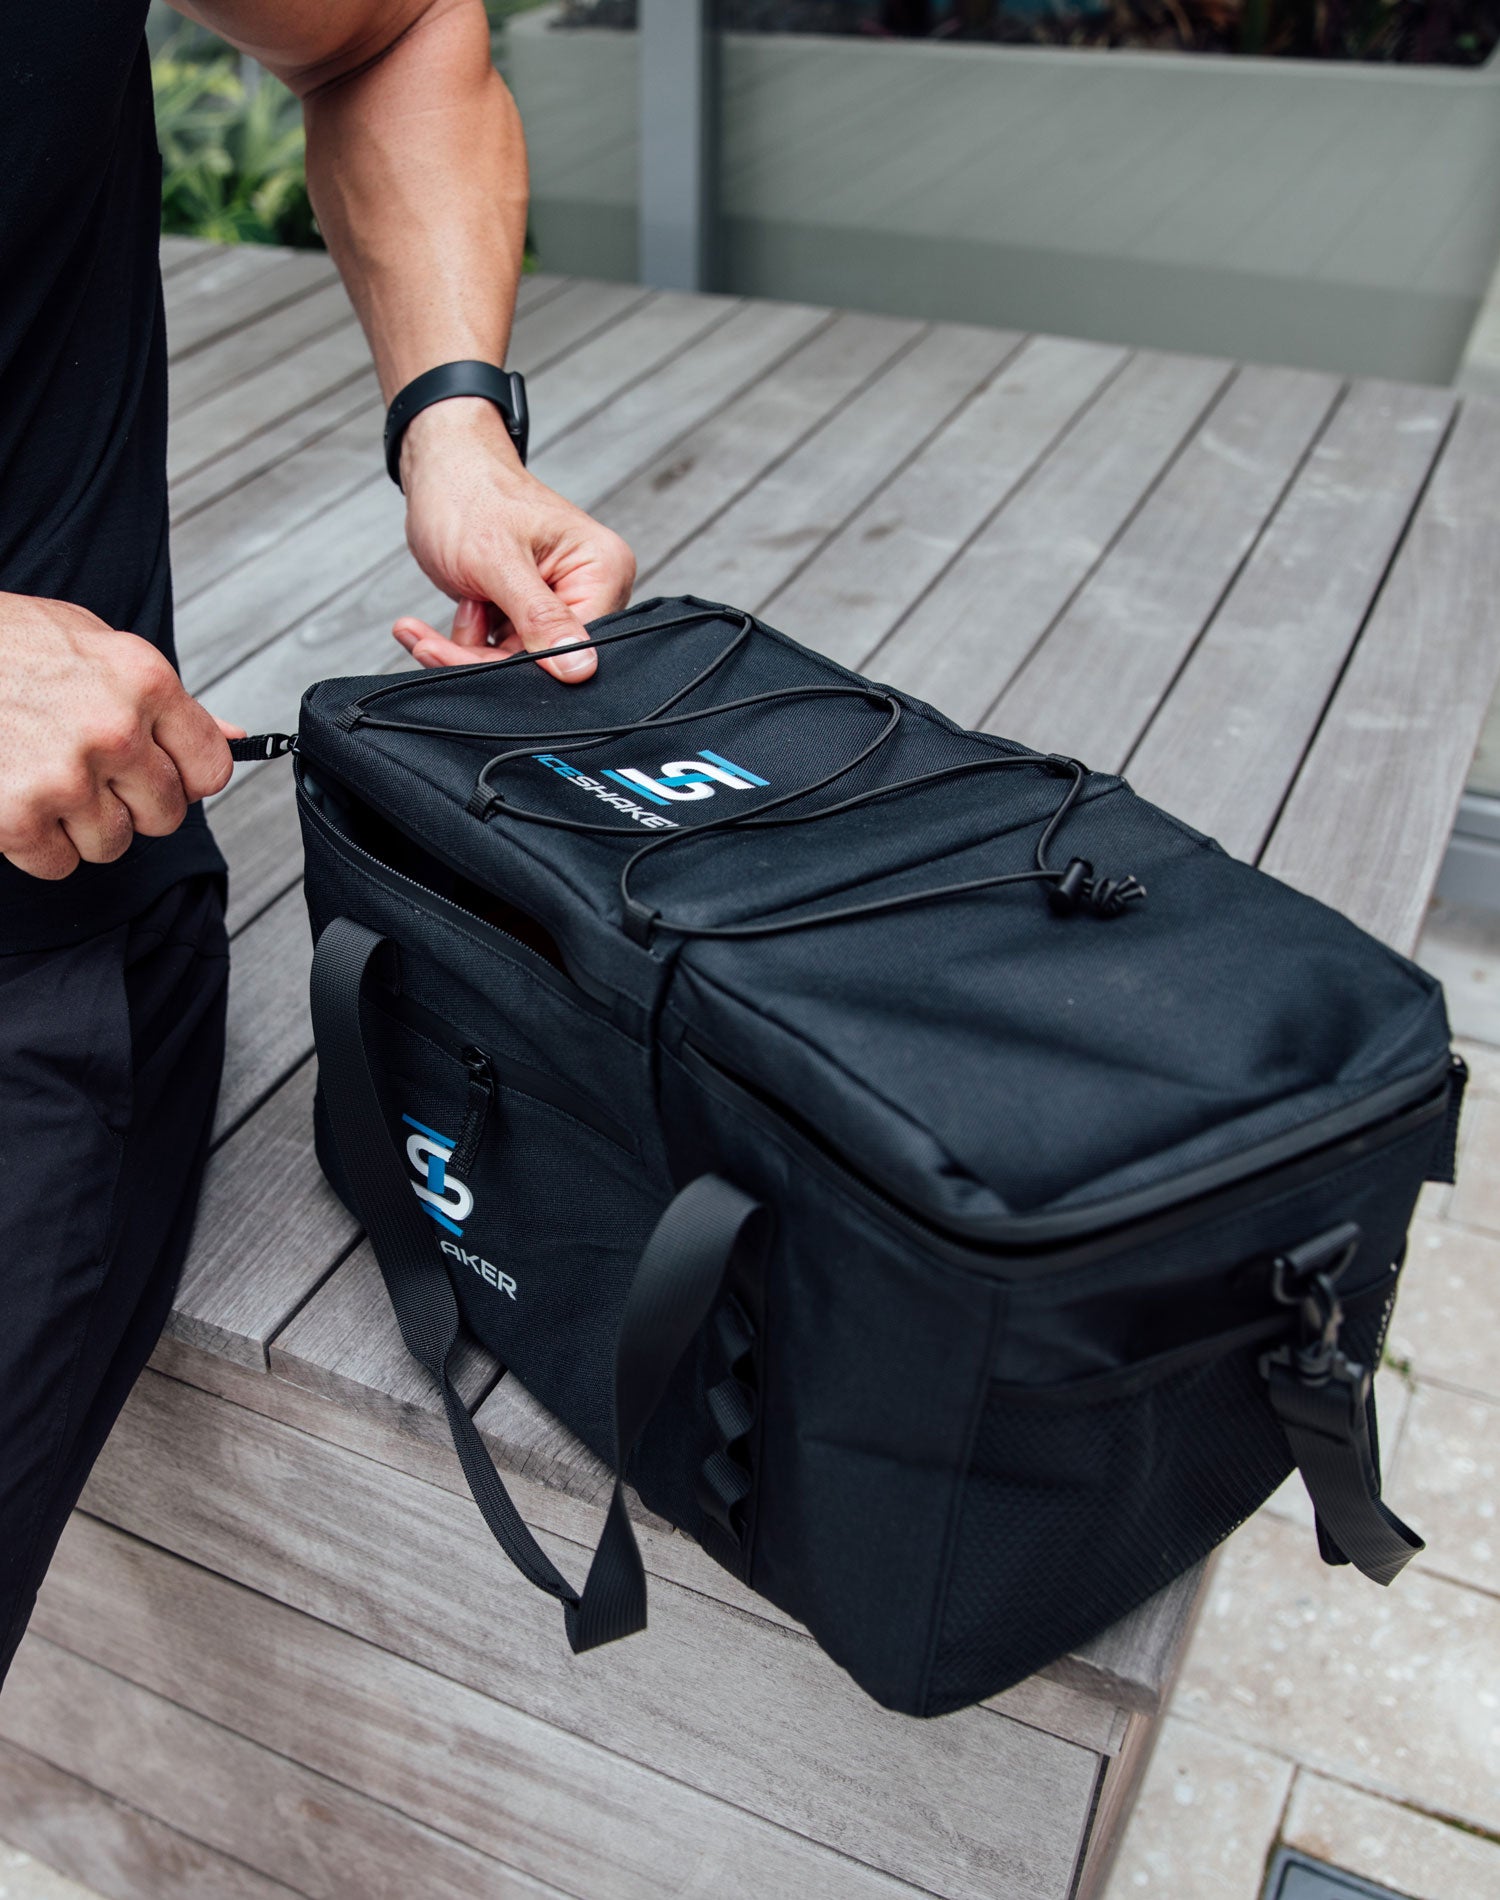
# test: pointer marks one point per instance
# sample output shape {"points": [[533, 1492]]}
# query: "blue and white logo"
{"points": [[448, 1200], [685, 779], [443, 1196], [676, 783]]}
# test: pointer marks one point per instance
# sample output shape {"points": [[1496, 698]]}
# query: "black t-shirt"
{"points": [[83, 387]]}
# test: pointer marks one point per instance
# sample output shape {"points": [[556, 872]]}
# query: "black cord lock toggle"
{"points": [[1077, 889]]}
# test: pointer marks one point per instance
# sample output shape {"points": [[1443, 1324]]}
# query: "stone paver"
{"points": [[22, 1878], [1446, 1476], [1412, 1852], [1447, 1320], [1476, 1199], [1207, 1819], [1379, 1709]]}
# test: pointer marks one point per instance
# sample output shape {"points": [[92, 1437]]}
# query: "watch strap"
{"points": [[505, 388]]}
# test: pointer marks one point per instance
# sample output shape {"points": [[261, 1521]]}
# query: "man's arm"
{"points": [[417, 171]]}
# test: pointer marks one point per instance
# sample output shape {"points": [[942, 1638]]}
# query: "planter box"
{"points": [[1332, 215]]}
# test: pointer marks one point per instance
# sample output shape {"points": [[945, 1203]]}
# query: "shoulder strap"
{"points": [[680, 1271]]}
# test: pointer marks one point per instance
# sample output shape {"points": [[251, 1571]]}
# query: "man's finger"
{"points": [[151, 791], [543, 621], [428, 647], [471, 623], [191, 739], [99, 831], [47, 853]]}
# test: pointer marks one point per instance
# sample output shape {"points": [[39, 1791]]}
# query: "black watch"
{"points": [[505, 388]]}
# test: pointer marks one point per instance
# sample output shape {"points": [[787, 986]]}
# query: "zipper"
{"points": [[351, 848], [1030, 1245], [477, 1106]]}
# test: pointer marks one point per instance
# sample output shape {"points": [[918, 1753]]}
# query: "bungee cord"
{"points": [[1072, 887]]}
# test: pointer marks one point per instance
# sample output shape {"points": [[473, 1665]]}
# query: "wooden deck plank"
{"points": [[1367, 821], [232, 471], [763, 539], [256, 825], [679, 491], [348, 635], [208, 1782], [345, 1345], [186, 253], [110, 1847], [1031, 491], [564, 1810], [236, 1291], [1229, 737], [255, 345], [250, 404], [413, 1568], [270, 1028], [244, 281], [1136, 620], [656, 411], [1058, 1709]]}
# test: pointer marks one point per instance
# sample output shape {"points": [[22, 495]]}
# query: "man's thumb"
{"points": [[542, 622]]}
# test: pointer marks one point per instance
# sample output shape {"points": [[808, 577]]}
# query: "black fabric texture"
{"points": [[110, 1052], [1032, 1167], [83, 389]]}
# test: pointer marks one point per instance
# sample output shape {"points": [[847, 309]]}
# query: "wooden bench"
{"points": [[278, 1654]]}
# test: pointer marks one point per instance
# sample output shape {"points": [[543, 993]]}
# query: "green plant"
{"points": [[232, 152]]}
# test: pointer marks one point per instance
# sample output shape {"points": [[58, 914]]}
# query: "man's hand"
{"points": [[98, 739], [526, 567]]}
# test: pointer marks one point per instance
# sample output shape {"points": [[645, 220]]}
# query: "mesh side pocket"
{"points": [[1075, 1512]]}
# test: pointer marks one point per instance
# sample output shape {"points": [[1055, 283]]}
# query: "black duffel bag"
{"points": [[950, 1189]]}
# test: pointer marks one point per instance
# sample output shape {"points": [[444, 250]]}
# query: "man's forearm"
{"points": [[417, 171], [416, 165]]}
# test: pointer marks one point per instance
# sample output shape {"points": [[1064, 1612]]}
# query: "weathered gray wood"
{"points": [[1076, 1716], [412, 1567], [1092, 685], [270, 1029], [344, 1343], [967, 629], [760, 541], [1388, 762], [1132, 1663], [269, 1230], [560, 1808], [312, 1834], [1119, 1781], [247, 405], [110, 1847], [642, 420], [258, 453], [1227, 740], [255, 822], [348, 635], [185, 253], [251, 347], [244, 281], [679, 491]]}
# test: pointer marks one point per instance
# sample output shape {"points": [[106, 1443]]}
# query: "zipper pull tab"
{"points": [[477, 1108], [262, 745]]}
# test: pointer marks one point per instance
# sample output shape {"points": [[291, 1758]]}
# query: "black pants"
{"points": [[110, 1053]]}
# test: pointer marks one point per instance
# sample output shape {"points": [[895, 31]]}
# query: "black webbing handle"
{"points": [[680, 1271]]}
